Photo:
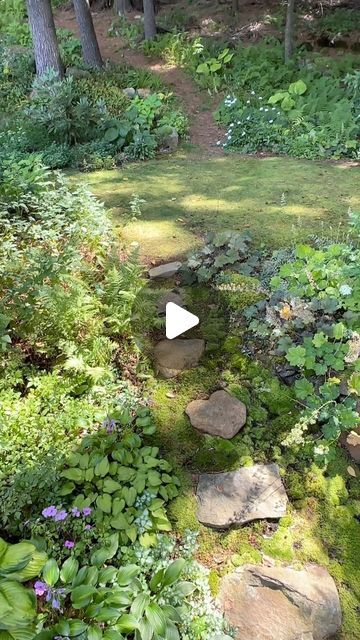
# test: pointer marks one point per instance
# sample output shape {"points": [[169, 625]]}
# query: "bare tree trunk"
{"points": [[235, 5], [289, 30], [89, 43], [149, 19], [121, 7], [46, 48]]}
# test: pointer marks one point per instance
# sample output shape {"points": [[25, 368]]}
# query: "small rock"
{"points": [[221, 415], [171, 296], [165, 270], [170, 141], [144, 93], [350, 440], [173, 356], [281, 603], [77, 73], [129, 92], [237, 497]]}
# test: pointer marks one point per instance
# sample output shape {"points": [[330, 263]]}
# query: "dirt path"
{"points": [[204, 132]]}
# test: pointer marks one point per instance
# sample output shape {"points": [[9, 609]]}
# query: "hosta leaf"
{"points": [[16, 557], [171, 631], [51, 572], [73, 474], [107, 614], [127, 574], [110, 486], [156, 617], [173, 572], [103, 502], [82, 596], [94, 633], [102, 468], [120, 522], [127, 623], [69, 570], [138, 606]]}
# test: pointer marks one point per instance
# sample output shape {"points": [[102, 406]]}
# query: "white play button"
{"points": [[178, 320]]}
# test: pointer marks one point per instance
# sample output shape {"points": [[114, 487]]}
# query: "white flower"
{"points": [[260, 97], [248, 118], [266, 109], [229, 137], [243, 133], [247, 101], [278, 113], [238, 122], [345, 290], [253, 93], [261, 109], [273, 109], [218, 143], [271, 121]]}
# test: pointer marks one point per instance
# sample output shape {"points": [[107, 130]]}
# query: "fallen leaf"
{"points": [[351, 471]]}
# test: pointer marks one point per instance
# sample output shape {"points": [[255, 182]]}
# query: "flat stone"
{"points": [[170, 296], [173, 356], [237, 497], [350, 440], [281, 603], [221, 415], [165, 270]]}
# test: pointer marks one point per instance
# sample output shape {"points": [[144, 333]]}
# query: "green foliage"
{"points": [[338, 22], [215, 68], [219, 252], [313, 318]]}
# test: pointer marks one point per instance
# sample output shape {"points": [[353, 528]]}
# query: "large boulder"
{"points": [[237, 497], [221, 415], [165, 270], [281, 603], [350, 440], [174, 356]]}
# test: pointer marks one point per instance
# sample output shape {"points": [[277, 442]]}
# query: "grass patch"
{"points": [[186, 197]]}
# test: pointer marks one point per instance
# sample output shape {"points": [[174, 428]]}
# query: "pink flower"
{"points": [[40, 588], [69, 544]]}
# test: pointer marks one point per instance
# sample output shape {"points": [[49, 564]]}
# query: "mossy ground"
{"points": [[187, 196]]}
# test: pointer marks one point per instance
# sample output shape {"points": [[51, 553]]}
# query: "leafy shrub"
{"points": [[220, 251], [339, 21], [312, 317], [102, 88]]}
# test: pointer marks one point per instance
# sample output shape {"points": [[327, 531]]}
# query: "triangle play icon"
{"points": [[178, 320]]}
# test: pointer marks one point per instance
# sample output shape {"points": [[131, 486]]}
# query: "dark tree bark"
{"points": [[235, 5], [121, 7], [46, 48], [289, 30], [89, 43], [149, 19]]}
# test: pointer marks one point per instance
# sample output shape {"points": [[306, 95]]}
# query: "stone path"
{"points": [[221, 415]]}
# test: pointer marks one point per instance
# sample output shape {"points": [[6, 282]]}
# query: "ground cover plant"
{"points": [[99, 461]]}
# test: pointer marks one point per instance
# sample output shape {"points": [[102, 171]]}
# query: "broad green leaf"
{"points": [[110, 486], [173, 572], [127, 574], [73, 474], [102, 468], [297, 88], [138, 606], [156, 617], [69, 570], [127, 623], [16, 557], [51, 572], [82, 596], [103, 502], [296, 356], [94, 633]]}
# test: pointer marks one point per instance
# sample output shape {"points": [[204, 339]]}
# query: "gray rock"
{"points": [[129, 92], [77, 73], [169, 141], [173, 356], [221, 415], [281, 603], [165, 270], [144, 93], [237, 497], [171, 296]]}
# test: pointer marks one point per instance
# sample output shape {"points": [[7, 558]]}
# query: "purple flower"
{"points": [[109, 425], [55, 603], [76, 512], [49, 512], [87, 511], [69, 544], [61, 515], [40, 588], [88, 527]]}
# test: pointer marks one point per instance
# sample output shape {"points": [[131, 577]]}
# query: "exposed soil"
{"points": [[204, 132]]}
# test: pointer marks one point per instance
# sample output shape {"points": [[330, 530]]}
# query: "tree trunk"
{"points": [[289, 30], [235, 5], [121, 7], [89, 43], [149, 19], [46, 48]]}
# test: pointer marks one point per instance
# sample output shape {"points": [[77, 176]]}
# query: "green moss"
{"points": [[186, 196], [214, 583]]}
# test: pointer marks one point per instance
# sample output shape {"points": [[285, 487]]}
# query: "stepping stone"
{"points": [[237, 497], [174, 356], [171, 296], [221, 415], [281, 603], [165, 270]]}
